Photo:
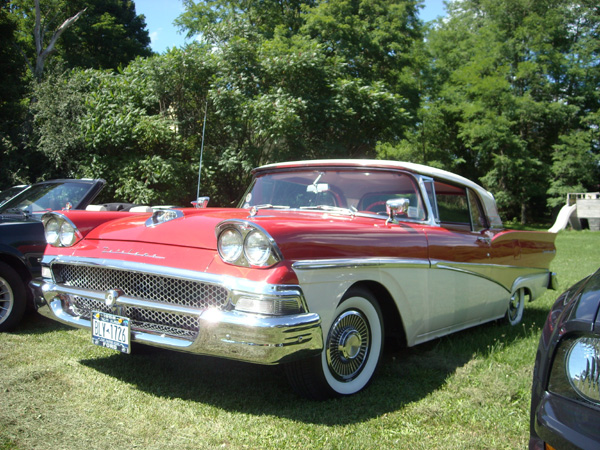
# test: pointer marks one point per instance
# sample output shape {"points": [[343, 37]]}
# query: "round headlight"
{"points": [[582, 368], [67, 234], [230, 245], [51, 231], [257, 248]]}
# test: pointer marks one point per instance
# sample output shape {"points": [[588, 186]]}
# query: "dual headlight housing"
{"points": [[576, 369], [60, 231], [245, 244]]}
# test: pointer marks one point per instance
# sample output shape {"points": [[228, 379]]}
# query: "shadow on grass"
{"points": [[405, 376], [34, 323]]}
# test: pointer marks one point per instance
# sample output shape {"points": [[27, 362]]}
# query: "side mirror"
{"points": [[396, 206]]}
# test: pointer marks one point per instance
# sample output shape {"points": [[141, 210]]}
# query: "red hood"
{"points": [[298, 234], [195, 229]]}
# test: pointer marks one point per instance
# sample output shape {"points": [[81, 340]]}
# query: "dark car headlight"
{"points": [[576, 369], [60, 231], [246, 244]]}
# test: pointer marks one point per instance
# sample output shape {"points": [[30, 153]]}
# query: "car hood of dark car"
{"points": [[580, 304]]}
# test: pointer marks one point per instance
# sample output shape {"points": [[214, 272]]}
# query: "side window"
{"points": [[453, 206], [477, 216]]}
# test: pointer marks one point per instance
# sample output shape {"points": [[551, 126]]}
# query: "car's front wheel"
{"points": [[12, 298], [352, 350]]}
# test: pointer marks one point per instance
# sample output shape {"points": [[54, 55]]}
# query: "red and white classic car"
{"points": [[319, 263]]}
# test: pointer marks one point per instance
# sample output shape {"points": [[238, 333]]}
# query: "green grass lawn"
{"points": [[470, 390]]}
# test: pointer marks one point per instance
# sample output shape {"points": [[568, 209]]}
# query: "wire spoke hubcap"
{"points": [[348, 345]]}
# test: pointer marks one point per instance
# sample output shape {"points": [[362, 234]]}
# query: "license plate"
{"points": [[111, 331]]}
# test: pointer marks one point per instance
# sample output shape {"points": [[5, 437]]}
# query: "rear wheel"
{"points": [[516, 304], [12, 298], [351, 354]]}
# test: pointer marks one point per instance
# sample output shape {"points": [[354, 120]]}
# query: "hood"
{"points": [[196, 228], [578, 306], [298, 234]]}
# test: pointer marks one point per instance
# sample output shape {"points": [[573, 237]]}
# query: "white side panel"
{"points": [[432, 302]]}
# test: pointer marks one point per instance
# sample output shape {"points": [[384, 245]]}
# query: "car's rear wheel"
{"points": [[516, 304], [352, 350], [12, 298]]}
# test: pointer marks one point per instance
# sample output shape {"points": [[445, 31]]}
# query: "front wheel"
{"points": [[351, 353], [12, 298], [516, 304]]}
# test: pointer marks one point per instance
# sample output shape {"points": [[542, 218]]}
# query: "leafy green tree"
{"points": [[93, 33], [511, 82], [219, 20], [12, 90], [95, 123]]}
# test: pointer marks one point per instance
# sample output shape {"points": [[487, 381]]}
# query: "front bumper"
{"points": [[229, 334], [564, 424]]}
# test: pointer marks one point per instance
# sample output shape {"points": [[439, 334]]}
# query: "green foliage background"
{"points": [[504, 92]]}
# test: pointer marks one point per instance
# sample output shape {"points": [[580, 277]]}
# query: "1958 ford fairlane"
{"points": [[321, 261]]}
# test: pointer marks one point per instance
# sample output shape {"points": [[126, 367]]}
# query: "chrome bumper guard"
{"points": [[229, 334]]}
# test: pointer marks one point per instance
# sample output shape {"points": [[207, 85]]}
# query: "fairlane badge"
{"points": [[131, 253]]}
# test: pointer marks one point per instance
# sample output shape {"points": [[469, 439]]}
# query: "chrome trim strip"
{"points": [[477, 269], [342, 263]]}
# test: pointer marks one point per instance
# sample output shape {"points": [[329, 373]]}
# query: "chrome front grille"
{"points": [[149, 287]]}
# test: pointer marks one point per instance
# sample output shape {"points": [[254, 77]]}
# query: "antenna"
{"points": [[202, 149]]}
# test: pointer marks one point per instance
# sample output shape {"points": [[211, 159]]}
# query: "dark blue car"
{"points": [[565, 403], [22, 240]]}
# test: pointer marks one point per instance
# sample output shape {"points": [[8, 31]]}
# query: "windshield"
{"points": [[47, 197], [9, 193], [355, 190]]}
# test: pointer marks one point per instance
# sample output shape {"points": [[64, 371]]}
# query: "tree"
{"points": [[109, 35], [11, 91], [511, 81], [93, 33]]}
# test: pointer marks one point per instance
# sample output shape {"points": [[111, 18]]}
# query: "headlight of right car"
{"points": [[60, 231], [246, 244], [576, 369]]}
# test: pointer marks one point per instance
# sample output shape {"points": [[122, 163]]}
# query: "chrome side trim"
{"points": [[506, 275], [343, 263]]}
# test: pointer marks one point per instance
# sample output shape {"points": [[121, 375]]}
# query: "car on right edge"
{"points": [[565, 402]]}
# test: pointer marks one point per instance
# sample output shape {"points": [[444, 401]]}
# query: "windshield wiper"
{"points": [[15, 211], [330, 208], [254, 209], [269, 206]]}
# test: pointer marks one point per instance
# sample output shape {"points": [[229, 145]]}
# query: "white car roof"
{"points": [[487, 197]]}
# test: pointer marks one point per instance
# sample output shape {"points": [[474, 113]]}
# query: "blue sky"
{"points": [[160, 15]]}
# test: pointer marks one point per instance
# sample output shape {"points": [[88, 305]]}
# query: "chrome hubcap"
{"points": [[6, 300], [348, 345], [514, 305]]}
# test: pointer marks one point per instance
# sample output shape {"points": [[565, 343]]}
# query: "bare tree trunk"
{"points": [[39, 33]]}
